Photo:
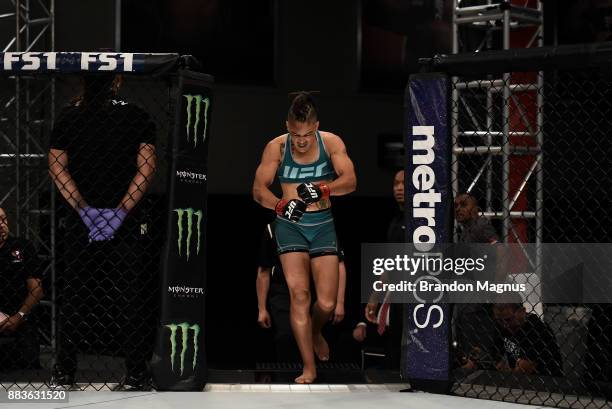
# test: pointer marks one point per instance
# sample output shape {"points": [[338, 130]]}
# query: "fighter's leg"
{"points": [[325, 275], [297, 274]]}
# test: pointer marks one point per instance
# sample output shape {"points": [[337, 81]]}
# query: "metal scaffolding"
{"points": [[489, 18], [500, 137], [26, 114]]}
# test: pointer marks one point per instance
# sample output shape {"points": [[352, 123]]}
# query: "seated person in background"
{"points": [[473, 228], [20, 291], [474, 331], [273, 293], [526, 344]]}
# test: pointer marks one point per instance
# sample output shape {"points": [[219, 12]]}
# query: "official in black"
{"points": [[102, 160]]}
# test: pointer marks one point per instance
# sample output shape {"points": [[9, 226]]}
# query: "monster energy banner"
{"points": [[179, 359], [426, 331]]}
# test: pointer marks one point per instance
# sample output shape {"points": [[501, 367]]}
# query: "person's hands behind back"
{"points": [[107, 223], [89, 215]]}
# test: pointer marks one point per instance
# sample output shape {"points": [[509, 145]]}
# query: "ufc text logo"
{"points": [[303, 172]]}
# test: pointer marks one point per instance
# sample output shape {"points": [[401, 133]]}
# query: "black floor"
{"points": [[106, 369]]}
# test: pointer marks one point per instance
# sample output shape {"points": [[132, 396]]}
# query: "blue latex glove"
{"points": [[88, 216], [107, 223]]}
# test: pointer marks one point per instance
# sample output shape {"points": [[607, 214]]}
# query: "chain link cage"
{"points": [[83, 163], [532, 148]]}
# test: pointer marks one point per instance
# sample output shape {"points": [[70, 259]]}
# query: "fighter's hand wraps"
{"points": [[107, 224], [311, 193], [291, 209]]}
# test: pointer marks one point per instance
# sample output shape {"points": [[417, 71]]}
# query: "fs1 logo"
{"points": [[189, 215], [107, 62], [184, 346], [68, 62], [303, 172], [29, 61], [195, 103]]}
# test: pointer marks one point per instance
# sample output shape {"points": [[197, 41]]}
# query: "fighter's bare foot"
{"points": [[307, 377], [321, 348]]}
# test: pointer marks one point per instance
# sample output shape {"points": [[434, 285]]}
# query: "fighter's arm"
{"points": [[58, 170], [146, 162], [340, 310], [264, 176], [262, 285], [347, 180]]}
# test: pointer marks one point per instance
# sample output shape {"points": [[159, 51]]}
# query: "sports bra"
{"points": [[290, 171]]}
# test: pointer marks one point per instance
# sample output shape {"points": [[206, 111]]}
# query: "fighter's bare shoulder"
{"points": [[279, 140], [276, 146], [333, 143]]}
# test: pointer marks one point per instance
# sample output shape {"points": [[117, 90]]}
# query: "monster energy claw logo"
{"points": [[184, 327], [189, 214], [192, 127]]}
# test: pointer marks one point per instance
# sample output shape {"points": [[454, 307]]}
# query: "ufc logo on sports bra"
{"points": [[290, 172]]}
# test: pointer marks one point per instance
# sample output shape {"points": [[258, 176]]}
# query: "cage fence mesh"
{"points": [[84, 164], [533, 149]]}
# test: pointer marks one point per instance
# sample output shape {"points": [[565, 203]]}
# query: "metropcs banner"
{"points": [[428, 212], [179, 359]]}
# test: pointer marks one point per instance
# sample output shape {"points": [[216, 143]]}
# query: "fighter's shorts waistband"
{"points": [[312, 218]]}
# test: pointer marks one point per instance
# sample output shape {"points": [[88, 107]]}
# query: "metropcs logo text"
{"points": [[50, 61], [184, 348], [195, 103], [424, 179], [189, 215]]}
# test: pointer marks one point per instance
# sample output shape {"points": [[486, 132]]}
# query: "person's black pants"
{"points": [[285, 347], [393, 337], [20, 349], [599, 353], [105, 298]]}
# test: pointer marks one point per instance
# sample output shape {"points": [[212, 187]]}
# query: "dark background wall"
{"points": [[84, 25], [315, 50], [317, 47], [319, 56]]}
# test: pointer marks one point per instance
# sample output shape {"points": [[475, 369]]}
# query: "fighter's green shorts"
{"points": [[314, 234]]}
